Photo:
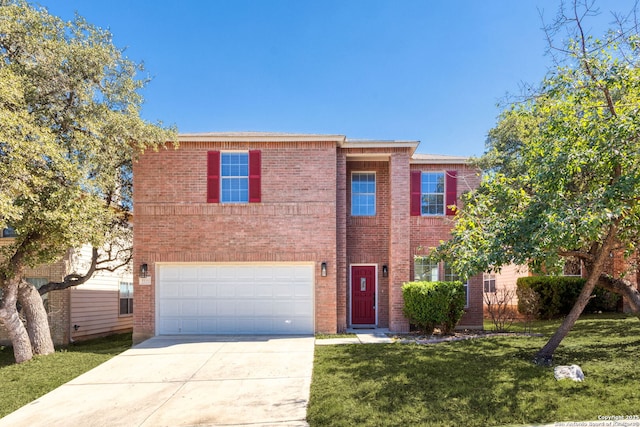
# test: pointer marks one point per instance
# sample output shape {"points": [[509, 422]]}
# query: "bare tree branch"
{"points": [[73, 279], [577, 254], [622, 287]]}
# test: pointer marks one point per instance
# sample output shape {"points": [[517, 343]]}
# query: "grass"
{"points": [[482, 382], [331, 336], [23, 383]]}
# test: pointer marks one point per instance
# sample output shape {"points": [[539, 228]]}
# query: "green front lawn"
{"points": [[480, 382], [21, 384]]}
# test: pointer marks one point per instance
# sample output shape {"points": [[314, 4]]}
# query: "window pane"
{"points": [[432, 188], [489, 280], [235, 190], [425, 271], [234, 173], [363, 194], [124, 306]]}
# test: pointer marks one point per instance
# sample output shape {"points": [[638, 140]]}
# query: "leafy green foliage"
{"points": [[562, 171], [70, 129], [556, 295], [432, 304], [561, 166]]}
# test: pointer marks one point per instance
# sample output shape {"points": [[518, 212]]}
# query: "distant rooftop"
{"points": [[252, 136], [439, 158]]}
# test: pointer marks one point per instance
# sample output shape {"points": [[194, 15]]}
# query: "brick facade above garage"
{"points": [[284, 200]]}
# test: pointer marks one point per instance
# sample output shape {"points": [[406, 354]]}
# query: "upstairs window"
{"points": [[363, 194], [432, 193], [233, 177]]}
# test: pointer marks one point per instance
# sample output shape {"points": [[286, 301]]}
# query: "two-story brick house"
{"points": [[283, 233]]}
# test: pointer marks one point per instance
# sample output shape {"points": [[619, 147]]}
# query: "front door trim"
{"points": [[375, 266]]}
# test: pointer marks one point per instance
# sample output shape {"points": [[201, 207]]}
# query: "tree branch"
{"points": [[72, 279], [622, 287], [577, 254]]}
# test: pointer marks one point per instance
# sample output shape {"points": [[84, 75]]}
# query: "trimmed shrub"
{"points": [[556, 296], [434, 304]]}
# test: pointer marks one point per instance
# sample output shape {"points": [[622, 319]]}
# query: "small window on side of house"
{"points": [[9, 232], [126, 298], [489, 280], [573, 267]]}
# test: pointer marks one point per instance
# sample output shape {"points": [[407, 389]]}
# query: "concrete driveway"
{"points": [[185, 381]]}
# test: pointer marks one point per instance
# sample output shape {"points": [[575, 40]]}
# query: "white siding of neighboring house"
{"points": [[507, 279], [95, 305]]}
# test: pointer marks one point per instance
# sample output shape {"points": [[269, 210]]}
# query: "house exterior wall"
{"points": [[400, 259], [342, 266], [95, 305], [368, 236], [304, 215], [428, 231], [295, 220], [506, 285]]}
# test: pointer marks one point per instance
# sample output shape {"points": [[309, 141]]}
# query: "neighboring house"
{"points": [[501, 287], [101, 306], [496, 285], [262, 233]]}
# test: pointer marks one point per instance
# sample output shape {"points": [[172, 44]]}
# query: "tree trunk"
{"points": [[37, 319], [624, 288], [11, 321], [544, 357]]}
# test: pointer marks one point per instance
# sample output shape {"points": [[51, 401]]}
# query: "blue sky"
{"points": [[427, 70]]}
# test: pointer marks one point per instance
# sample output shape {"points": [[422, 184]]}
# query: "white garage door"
{"points": [[235, 299]]}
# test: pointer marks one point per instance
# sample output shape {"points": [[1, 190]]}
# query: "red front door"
{"points": [[363, 295]]}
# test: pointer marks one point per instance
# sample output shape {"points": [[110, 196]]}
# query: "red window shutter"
{"points": [[451, 190], [416, 193], [255, 166], [213, 177]]}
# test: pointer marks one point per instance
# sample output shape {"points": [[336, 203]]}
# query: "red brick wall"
{"points": [[341, 241], [295, 221], [368, 236], [400, 257], [428, 231], [304, 215]]}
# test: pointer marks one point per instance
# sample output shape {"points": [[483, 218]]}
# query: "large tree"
{"points": [[563, 168], [70, 130]]}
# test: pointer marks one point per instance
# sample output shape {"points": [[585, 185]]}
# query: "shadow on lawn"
{"points": [[445, 383], [485, 381], [112, 344]]}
